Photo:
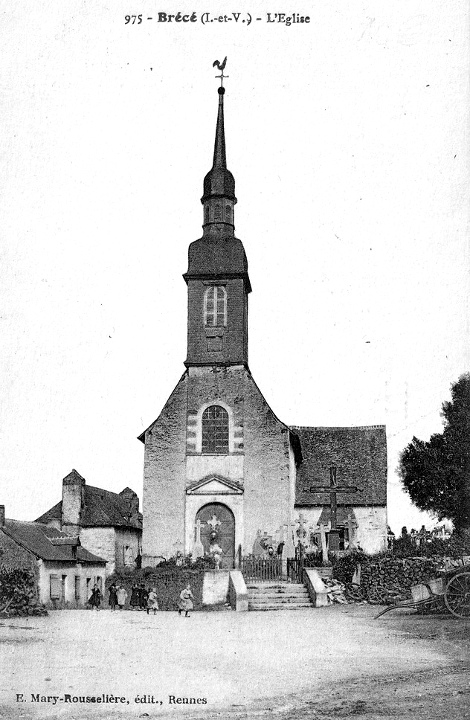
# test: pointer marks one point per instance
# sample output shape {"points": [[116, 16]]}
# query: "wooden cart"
{"points": [[453, 587]]}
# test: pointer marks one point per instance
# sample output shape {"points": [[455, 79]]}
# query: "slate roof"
{"points": [[359, 454], [102, 508], [35, 537]]}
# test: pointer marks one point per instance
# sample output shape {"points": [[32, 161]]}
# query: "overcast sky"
{"points": [[348, 139]]}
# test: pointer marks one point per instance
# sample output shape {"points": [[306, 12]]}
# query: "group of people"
{"points": [[117, 596], [142, 598]]}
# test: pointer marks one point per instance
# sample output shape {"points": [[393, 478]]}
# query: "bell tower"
{"points": [[217, 276]]}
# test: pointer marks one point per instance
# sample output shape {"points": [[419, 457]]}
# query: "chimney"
{"points": [[2, 515], [132, 501], [73, 500]]}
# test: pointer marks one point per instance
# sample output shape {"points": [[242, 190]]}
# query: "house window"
{"points": [[215, 306], [77, 588], [215, 431], [55, 587]]}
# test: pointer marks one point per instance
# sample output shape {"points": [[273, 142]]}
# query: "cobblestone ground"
{"points": [[323, 663]]}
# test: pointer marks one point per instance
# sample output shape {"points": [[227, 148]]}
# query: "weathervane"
{"points": [[221, 67]]}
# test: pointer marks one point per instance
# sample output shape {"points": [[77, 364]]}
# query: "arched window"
{"points": [[215, 306], [215, 430]]}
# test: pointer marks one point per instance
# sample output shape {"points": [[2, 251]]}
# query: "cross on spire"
{"points": [[221, 67]]}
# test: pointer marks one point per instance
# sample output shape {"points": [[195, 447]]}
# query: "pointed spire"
{"points": [[220, 160], [219, 182]]}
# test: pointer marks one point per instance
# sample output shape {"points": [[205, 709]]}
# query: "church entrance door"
{"points": [[218, 529]]}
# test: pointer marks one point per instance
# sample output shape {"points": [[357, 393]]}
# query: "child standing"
{"points": [[186, 601]]}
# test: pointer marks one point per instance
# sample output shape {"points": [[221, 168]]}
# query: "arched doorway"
{"points": [[218, 518]]}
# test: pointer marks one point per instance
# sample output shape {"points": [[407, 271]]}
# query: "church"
{"points": [[220, 468]]}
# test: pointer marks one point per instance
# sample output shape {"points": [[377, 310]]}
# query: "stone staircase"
{"points": [[277, 595]]}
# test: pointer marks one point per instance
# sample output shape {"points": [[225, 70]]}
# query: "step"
{"points": [[271, 587], [277, 595], [265, 597], [287, 606], [277, 591], [279, 598]]}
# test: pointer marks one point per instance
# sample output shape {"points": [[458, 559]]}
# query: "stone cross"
{"points": [[198, 549], [324, 549], [289, 549], [302, 531], [333, 488]]}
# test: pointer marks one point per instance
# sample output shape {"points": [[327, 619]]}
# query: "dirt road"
{"points": [[327, 663]]}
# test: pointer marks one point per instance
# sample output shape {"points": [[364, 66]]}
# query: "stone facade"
{"points": [[63, 587], [64, 572], [370, 526], [258, 461], [222, 473], [108, 524]]}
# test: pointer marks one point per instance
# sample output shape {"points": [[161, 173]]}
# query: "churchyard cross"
{"points": [[333, 488], [301, 530], [198, 549], [324, 548]]}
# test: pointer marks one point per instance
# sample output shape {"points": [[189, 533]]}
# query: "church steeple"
{"points": [[217, 277], [219, 184]]}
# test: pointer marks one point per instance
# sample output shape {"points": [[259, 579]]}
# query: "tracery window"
{"points": [[215, 431], [215, 306]]}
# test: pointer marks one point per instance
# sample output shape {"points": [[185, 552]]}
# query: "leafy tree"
{"points": [[436, 473]]}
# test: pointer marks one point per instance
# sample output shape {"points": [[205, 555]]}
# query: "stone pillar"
{"points": [[324, 548], [351, 532]]}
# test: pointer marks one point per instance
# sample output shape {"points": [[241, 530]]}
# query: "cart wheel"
{"points": [[457, 595]]}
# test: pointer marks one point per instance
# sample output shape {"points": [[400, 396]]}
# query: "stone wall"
{"points": [[127, 545], [165, 478], [372, 528], [100, 541], [73, 593], [268, 487], [371, 532], [259, 459]]}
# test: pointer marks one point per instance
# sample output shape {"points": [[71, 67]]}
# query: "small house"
{"points": [[64, 571], [108, 524]]}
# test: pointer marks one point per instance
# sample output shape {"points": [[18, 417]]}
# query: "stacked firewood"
{"points": [[18, 593], [389, 580]]}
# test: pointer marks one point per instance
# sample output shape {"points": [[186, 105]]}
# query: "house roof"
{"points": [[36, 538], [360, 457], [101, 508]]}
